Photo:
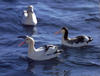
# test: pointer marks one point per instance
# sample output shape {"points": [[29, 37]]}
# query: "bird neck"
{"points": [[30, 14], [31, 48], [65, 35]]}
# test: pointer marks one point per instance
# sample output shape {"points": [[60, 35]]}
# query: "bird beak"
{"points": [[58, 32], [22, 43]]}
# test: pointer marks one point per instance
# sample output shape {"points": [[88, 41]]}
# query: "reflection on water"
{"points": [[80, 16], [46, 68], [30, 30]]}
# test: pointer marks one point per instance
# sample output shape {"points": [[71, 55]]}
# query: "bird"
{"points": [[78, 41], [42, 53], [29, 17]]}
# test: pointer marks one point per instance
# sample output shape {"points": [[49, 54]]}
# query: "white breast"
{"points": [[29, 19]]}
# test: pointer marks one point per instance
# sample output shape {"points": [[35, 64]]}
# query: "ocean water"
{"points": [[82, 17]]}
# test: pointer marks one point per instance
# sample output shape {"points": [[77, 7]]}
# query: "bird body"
{"points": [[29, 17], [78, 41], [43, 53]]}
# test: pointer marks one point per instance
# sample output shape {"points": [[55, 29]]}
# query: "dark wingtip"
{"points": [[90, 39], [22, 37]]}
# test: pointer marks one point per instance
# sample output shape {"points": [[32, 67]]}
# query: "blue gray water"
{"points": [[80, 16]]}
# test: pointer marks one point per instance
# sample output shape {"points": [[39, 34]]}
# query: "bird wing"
{"points": [[25, 13], [50, 49], [77, 39], [47, 50], [42, 54], [46, 57]]}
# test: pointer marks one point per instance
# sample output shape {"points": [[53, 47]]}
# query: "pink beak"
{"points": [[22, 43], [58, 32]]}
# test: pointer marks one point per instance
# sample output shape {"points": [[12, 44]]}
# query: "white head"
{"points": [[28, 40], [30, 8]]}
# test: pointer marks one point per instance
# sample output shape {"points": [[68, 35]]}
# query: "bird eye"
{"points": [[26, 39]]}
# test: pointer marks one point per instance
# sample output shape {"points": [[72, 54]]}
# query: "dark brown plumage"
{"points": [[79, 39]]}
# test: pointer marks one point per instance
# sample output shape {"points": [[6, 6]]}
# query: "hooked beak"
{"points": [[22, 43]]}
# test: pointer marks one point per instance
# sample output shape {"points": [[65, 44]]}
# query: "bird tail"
{"points": [[59, 51], [90, 39]]}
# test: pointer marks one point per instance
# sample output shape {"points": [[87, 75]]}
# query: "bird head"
{"points": [[30, 8], [63, 30], [27, 40]]}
